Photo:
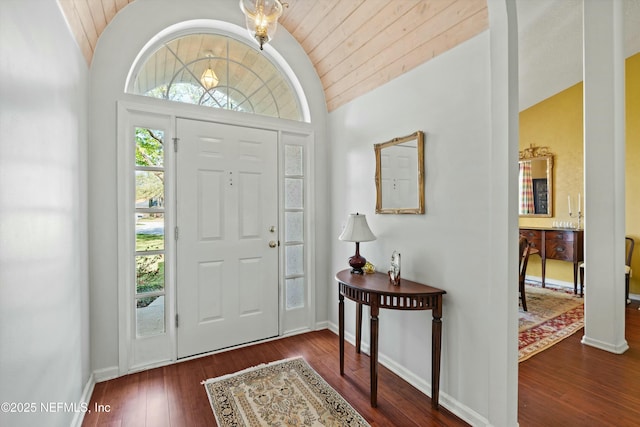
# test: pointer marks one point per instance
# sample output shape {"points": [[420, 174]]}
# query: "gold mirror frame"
{"points": [[418, 138], [539, 154]]}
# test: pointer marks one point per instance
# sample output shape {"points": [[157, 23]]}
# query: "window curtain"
{"points": [[525, 188]]}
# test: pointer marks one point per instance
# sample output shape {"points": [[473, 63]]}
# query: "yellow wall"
{"points": [[633, 163], [557, 123]]}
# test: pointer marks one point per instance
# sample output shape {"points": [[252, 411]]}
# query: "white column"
{"points": [[502, 298], [604, 163]]}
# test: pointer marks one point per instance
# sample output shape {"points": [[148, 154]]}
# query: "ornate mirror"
{"points": [[535, 182], [400, 175]]}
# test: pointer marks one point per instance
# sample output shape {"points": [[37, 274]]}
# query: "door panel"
{"points": [[227, 274]]}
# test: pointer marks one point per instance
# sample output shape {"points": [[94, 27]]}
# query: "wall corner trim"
{"points": [[84, 401]]}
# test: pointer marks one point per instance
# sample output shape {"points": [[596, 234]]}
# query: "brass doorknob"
{"points": [[273, 244]]}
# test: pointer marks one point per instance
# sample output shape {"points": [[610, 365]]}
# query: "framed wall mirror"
{"points": [[535, 182], [400, 175]]}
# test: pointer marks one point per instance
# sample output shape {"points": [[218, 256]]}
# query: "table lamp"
{"points": [[357, 230]]}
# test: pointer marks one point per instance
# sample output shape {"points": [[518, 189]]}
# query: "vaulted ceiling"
{"points": [[358, 45], [550, 45], [355, 46]]}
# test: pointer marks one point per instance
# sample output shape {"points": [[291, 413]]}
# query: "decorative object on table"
{"points": [[552, 316], [262, 18], [369, 268], [579, 215], [400, 175], [357, 230], [394, 269], [279, 393]]}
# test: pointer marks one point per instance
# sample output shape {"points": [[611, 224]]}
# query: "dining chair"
{"points": [[629, 244], [628, 250], [524, 260]]}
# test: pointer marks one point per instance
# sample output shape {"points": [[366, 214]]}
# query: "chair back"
{"points": [[629, 244], [524, 256]]}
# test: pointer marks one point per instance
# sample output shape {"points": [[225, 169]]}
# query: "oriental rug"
{"points": [[553, 315], [282, 393]]}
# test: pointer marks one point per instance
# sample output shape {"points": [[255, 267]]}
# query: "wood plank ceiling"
{"points": [[355, 46]]}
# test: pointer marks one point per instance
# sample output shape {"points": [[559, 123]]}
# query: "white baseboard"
{"points": [[454, 406], [322, 325], [106, 374], [569, 285], [554, 282], [84, 401], [615, 349]]}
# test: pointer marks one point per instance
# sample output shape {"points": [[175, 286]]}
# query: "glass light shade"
{"points": [[209, 79], [262, 18], [357, 229]]}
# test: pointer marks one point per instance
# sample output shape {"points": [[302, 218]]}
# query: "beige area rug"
{"points": [[552, 316], [283, 393]]}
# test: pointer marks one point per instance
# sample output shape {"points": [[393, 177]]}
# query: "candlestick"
{"points": [[569, 199], [579, 215]]}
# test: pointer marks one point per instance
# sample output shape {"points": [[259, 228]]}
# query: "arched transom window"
{"points": [[217, 71]]}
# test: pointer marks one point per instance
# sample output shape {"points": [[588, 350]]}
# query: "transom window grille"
{"points": [[242, 78]]}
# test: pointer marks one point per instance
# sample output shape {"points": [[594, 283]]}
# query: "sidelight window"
{"points": [[294, 219], [150, 304]]}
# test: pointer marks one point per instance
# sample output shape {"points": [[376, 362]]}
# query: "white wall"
{"points": [[449, 98], [116, 51], [44, 350]]}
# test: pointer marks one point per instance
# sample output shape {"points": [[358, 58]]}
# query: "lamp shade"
{"points": [[357, 229]]}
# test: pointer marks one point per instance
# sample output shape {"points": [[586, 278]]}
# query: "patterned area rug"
{"points": [[283, 393], [553, 316]]}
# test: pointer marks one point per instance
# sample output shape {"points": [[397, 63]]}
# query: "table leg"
{"points": [[341, 330], [358, 326], [575, 278], [544, 267], [374, 355], [436, 346]]}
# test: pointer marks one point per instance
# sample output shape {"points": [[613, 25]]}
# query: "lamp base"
{"points": [[357, 262]]}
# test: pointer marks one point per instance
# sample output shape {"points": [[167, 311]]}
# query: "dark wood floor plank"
{"points": [[574, 384], [569, 384], [173, 395]]}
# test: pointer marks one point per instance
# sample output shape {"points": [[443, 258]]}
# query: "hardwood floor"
{"points": [[568, 385], [572, 384], [173, 396]]}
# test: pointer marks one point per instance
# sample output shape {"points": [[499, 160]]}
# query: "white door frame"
{"points": [[131, 108]]}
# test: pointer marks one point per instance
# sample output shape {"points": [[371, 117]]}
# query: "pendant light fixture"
{"points": [[262, 18], [209, 79]]}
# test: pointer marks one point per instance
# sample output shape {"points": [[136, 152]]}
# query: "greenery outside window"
{"points": [[149, 232]]}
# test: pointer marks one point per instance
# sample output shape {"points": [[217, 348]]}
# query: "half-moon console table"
{"points": [[376, 291]]}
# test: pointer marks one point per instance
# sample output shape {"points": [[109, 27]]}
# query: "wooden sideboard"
{"points": [[564, 244]]}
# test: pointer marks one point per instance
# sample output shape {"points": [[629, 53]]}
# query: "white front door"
{"points": [[227, 252]]}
